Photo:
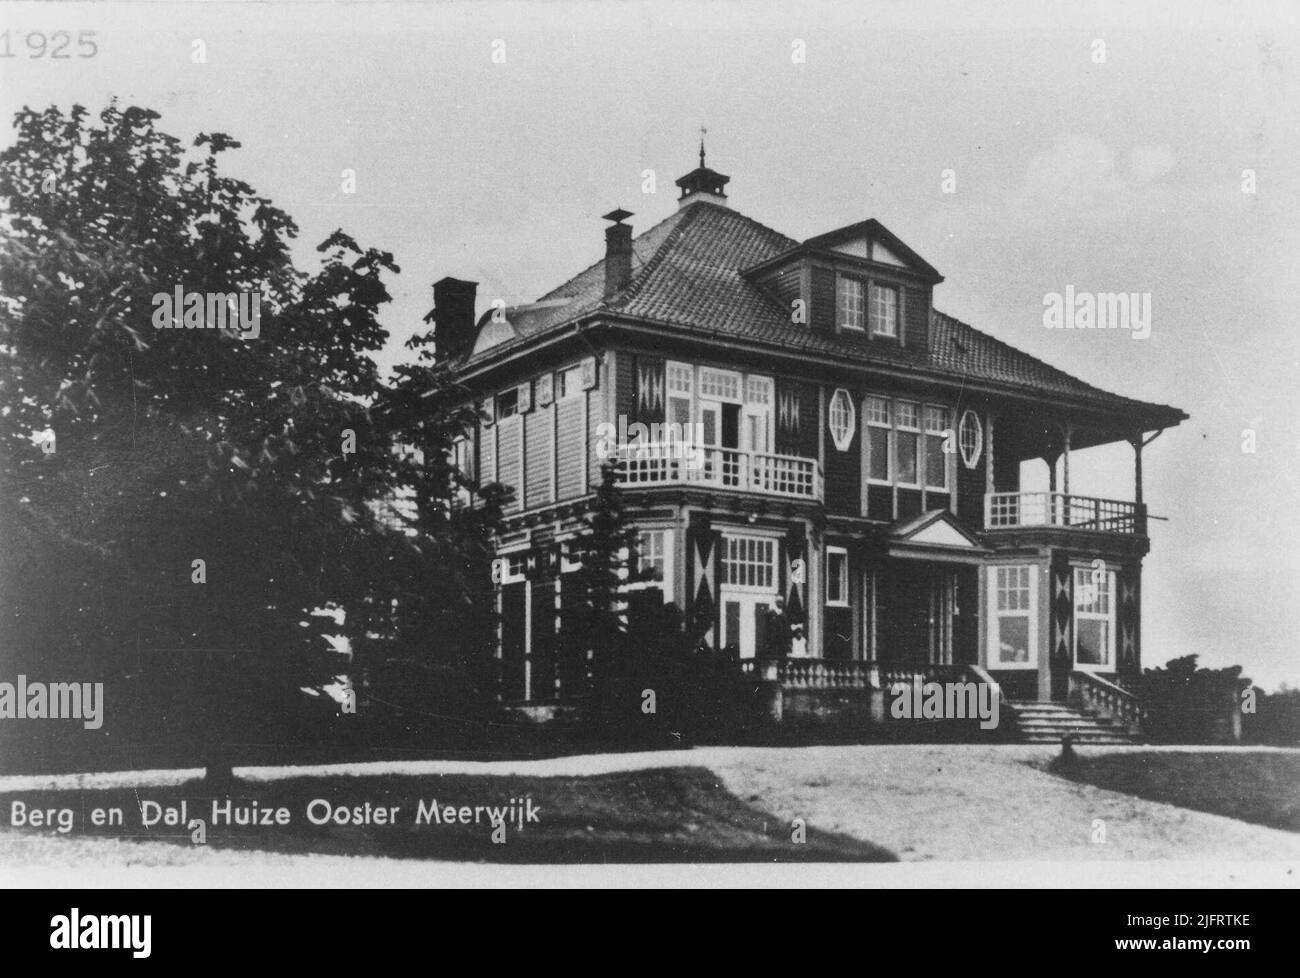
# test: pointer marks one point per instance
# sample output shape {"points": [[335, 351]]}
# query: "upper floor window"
{"points": [[907, 425], [568, 383], [879, 424], [895, 450], [841, 419], [850, 309], [719, 385], [970, 438], [936, 437], [508, 404], [884, 310]]}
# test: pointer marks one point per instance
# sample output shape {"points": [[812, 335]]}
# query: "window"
{"points": [[906, 435], [849, 305], [758, 390], [719, 385], [545, 389], [507, 404], [749, 562], [510, 568], [970, 438], [841, 419], [837, 577], [1012, 617], [878, 425], [1094, 616], [654, 554], [936, 460], [568, 383], [884, 310]]}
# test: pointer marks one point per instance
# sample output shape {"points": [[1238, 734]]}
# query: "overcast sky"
{"points": [[1124, 175]]}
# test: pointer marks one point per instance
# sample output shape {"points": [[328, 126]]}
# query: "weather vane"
{"points": [[703, 132]]}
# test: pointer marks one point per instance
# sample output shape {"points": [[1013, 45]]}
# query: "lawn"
{"points": [[1262, 787], [663, 815]]}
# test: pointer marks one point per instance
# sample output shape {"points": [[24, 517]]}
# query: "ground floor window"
{"points": [[837, 577], [1094, 616], [654, 553], [1013, 617], [749, 562]]}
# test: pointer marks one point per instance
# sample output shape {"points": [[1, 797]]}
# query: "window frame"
{"points": [[763, 542], [886, 426], [890, 289], [912, 431], [665, 584], [843, 442], [971, 458], [843, 306], [995, 616], [941, 433], [1110, 617], [843, 554]]}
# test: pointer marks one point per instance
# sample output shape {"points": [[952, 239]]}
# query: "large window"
{"points": [[879, 425], [884, 310], [905, 444], [1094, 617], [936, 459], [837, 577], [841, 419], [1013, 610], [749, 562], [719, 385], [850, 311], [907, 432]]}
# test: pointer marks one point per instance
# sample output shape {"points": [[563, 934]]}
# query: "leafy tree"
{"points": [[179, 445]]}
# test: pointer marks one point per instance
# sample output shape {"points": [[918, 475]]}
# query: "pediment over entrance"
{"points": [[937, 528]]}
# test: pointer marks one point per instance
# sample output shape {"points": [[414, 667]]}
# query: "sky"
{"points": [[1105, 147]]}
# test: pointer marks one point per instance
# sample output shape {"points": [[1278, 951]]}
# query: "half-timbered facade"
{"points": [[796, 419]]}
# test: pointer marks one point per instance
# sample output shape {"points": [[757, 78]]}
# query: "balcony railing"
{"points": [[799, 673], [1013, 510], [680, 463]]}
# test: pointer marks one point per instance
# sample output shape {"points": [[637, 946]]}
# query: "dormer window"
{"points": [[850, 305], [884, 310]]}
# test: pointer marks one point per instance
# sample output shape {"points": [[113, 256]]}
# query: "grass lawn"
{"points": [[664, 815], [1263, 788]]}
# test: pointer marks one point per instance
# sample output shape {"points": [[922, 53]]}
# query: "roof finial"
{"points": [[703, 131]]}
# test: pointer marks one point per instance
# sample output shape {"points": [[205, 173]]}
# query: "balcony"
{"points": [[1018, 510], [676, 463]]}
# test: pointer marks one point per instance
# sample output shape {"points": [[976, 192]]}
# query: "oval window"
{"points": [[841, 419], [970, 437]]}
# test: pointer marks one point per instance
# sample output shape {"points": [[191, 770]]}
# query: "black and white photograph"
{"points": [[651, 445]]}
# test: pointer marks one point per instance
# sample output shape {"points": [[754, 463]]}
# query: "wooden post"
{"points": [[1136, 442], [1065, 479]]}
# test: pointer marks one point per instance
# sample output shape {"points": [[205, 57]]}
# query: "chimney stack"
{"points": [[453, 317], [618, 252]]}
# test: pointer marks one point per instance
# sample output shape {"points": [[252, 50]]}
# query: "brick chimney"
{"points": [[618, 252], [453, 317]]}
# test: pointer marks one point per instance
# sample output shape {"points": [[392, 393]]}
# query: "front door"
{"points": [[744, 622], [915, 607]]}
